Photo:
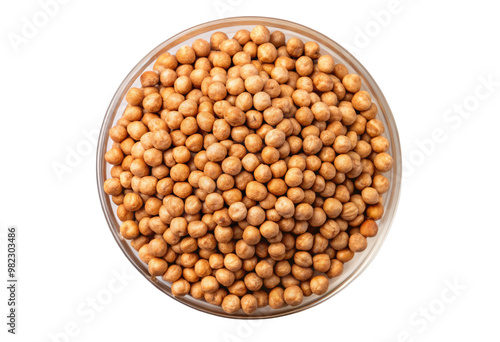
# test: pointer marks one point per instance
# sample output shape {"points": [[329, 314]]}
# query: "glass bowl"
{"points": [[353, 268]]}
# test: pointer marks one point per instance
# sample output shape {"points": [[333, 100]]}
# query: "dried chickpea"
{"points": [[319, 285]]}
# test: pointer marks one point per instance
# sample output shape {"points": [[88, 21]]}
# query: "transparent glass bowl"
{"points": [[230, 26]]}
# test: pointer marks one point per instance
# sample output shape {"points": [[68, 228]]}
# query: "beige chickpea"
{"points": [[276, 298], [304, 241], [232, 262], [345, 255], [275, 138], [254, 84], [135, 96], [295, 47], [225, 277], [158, 247], [273, 116], [180, 288], [357, 242], [112, 186], [256, 191], [370, 195], [293, 295], [234, 116], [149, 79], [383, 162], [374, 128], [303, 212], [267, 53], [380, 183], [249, 303], [303, 259], [260, 35], [311, 49], [326, 64], [230, 46], [369, 228], [280, 74], [237, 211], [285, 207], [379, 144], [375, 211], [129, 230], [349, 211], [157, 267], [312, 144], [302, 273], [321, 263], [352, 83], [217, 91], [261, 101], [209, 284], [231, 303], [336, 268], [269, 229], [264, 269], [201, 47], [361, 100], [343, 163], [319, 285], [132, 202]]}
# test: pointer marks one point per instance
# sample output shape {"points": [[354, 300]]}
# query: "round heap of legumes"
{"points": [[248, 170]]}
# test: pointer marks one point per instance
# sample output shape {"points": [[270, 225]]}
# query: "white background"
{"points": [[428, 57]]}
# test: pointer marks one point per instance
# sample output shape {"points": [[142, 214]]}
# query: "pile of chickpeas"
{"points": [[247, 171]]}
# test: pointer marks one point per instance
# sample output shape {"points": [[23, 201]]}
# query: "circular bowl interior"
{"points": [[353, 268]]}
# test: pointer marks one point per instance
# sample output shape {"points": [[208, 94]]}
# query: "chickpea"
{"points": [[129, 230], [303, 212], [264, 269], [180, 288], [237, 211], [302, 273], [319, 285], [321, 263], [285, 207], [225, 277], [383, 162], [293, 295], [267, 53], [345, 255], [352, 83], [157, 267], [231, 304], [112, 186], [375, 211], [132, 202], [158, 247], [303, 259], [209, 284], [326, 64], [256, 191], [260, 35], [295, 47], [249, 303], [304, 242], [276, 298], [261, 101], [135, 96], [269, 229]]}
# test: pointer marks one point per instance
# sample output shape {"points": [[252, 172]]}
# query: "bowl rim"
{"points": [[275, 23]]}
